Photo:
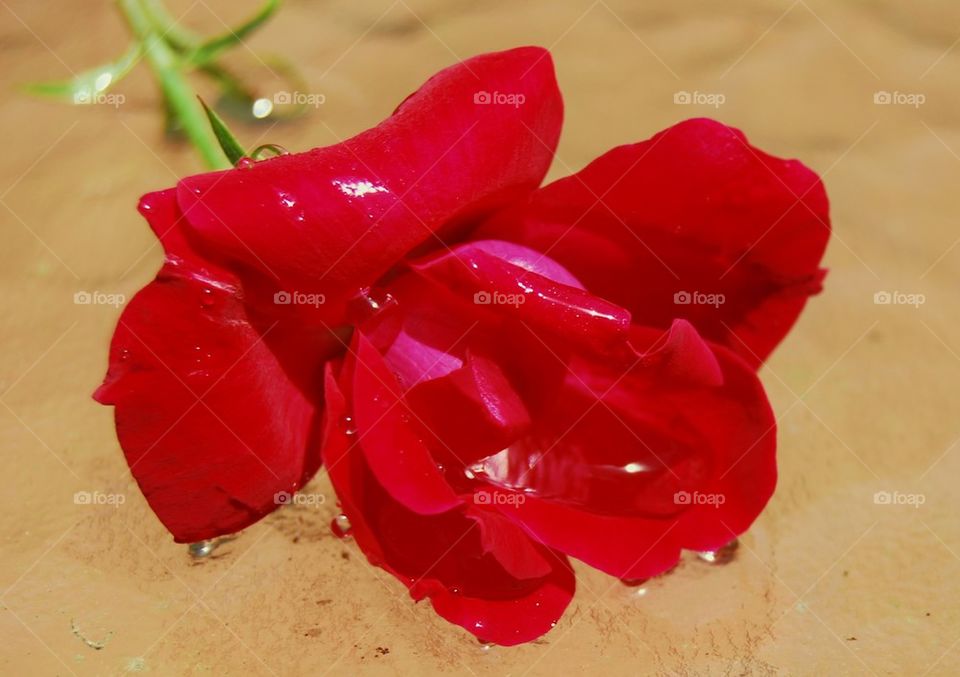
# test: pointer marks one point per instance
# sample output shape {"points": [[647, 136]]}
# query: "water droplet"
{"points": [[245, 163], [348, 426], [207, 299], [377, 301], [124, 354], [485, 645], [723, 555], [202, 548], [261, 108], [341, 526]]}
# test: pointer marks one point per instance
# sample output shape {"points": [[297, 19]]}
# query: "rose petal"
{"points": [[333, 219], [546, 305], [661, 225], [211, 423], [445, 557], [398, 459], [605, 476]]}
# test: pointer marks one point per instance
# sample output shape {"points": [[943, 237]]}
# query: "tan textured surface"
{"points": [[827, 582]]}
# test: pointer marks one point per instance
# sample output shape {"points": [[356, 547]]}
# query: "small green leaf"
{"points": [[213, 46], [228, 142], [86, 86]]}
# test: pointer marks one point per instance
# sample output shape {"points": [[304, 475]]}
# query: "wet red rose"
{"points": [[496, 376]]}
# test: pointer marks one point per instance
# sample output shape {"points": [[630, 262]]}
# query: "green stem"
{"points": [[179, 95]]}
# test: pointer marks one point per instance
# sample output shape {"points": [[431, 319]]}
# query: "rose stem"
{"points": [[180, 96]]}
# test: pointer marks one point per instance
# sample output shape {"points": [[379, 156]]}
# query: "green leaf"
{"points": [[228, 142], [86, 86], [213, 46]]}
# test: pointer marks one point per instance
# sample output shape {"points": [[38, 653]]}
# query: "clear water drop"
{"points": [[348, 426], [721, 556], [341, 526], [377, 301], [202, 549], [245, 163], [207, 299]]}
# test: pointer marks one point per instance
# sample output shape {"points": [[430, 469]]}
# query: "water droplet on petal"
{"points": [[723, 555], [378, 300], [348, 426], [341, 526], [245, 163], [207, 299]]}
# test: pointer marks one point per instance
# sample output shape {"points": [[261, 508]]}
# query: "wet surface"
{"points": [[847, 572]]}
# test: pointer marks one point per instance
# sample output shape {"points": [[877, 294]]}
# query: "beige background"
{"points": [[827, 581]]}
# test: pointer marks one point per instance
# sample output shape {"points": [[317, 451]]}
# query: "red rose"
{"points": [[495, 375]]}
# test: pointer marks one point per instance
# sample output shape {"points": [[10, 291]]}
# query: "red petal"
{"points": [[211, 424], [604, 474], [333, 219], [468, 573], [693, 210], [503, 286], [399, 460]]}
